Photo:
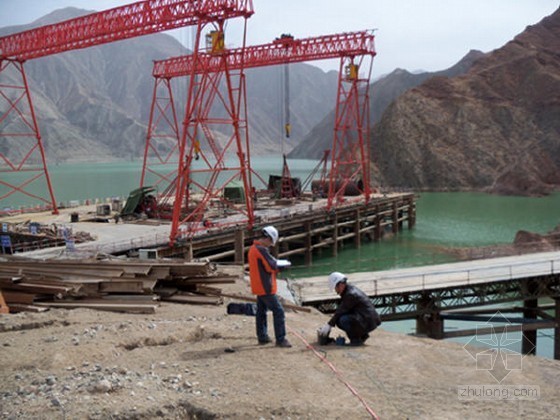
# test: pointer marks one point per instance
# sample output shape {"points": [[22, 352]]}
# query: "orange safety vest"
{"points": [[262, 270]]}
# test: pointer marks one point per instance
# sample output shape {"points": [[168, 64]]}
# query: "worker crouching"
{"points": [[355, 314]]}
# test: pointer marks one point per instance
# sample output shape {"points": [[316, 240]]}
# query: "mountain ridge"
{"points": [[495, 128], [384, 91]]}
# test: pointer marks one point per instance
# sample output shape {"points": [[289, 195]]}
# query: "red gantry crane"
{"points": [[18, 122], [350, 159]]}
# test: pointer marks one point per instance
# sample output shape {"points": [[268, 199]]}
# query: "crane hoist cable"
{"points": [[287, 124]]}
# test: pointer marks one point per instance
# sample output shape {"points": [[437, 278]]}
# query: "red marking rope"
{"points": [[337, 373]]}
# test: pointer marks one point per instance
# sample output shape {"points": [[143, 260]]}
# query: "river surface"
{"points": [[444, 220]]}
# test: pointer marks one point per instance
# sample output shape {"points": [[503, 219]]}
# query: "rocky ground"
{"points": [[198, 362]]}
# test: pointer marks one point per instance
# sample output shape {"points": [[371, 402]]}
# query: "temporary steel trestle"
{"points": [[205, 69], [136, 19]]}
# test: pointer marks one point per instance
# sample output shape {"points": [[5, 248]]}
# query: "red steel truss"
{"points": [[350, 160], [209, 67], [136, 19], [140, 18], [213, 149], [26, 159], [281, 51]]}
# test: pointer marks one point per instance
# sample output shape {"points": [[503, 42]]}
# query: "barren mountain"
{"points": [[94, 103], [382, 93], [497, 127]]}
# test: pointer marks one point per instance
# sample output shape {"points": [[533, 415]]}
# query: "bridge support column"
{"points": [[308, 245], [378, 219], [411, 213], [429, 322], [530, 308], [557, 329], [395, 217], [335, 236], [239, 246], [357, 225]]}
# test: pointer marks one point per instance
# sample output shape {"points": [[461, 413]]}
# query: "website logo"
{"points": [[500, 356]]}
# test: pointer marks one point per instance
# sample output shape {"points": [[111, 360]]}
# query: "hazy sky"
{"points": [[410, 34]]}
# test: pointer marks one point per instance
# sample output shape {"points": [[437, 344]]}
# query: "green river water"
{"points": [[443, 220]]}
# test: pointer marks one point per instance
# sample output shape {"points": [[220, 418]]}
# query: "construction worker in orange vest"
{"points": [[262, 271]]}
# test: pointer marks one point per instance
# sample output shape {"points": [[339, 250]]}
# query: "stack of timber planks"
{"points": [[124, 285]]}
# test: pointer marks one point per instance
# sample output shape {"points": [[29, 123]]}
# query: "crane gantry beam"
{"points": [[136, 19], [281, 51]]}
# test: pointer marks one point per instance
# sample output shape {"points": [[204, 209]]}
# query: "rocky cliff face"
{"points": [[497, 127], [94, 104], [382, 93]]}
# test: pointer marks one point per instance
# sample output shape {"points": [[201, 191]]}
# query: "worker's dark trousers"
{"points": [[353, 325], [271, 302]]}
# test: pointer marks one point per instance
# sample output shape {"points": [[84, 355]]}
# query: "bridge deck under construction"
{"points": [[305, 228]]}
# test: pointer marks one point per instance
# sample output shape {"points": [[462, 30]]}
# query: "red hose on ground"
{"points": [[337, 373]]}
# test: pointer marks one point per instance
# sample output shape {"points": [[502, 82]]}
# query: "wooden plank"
{"points": [[124, 298], [8, 281], [166, 291], [104, 306], [122, 286], [208, 289], [221, 255], [212, 280], [20, 307], [40, 288], [194, 299], [11, 297], [160, 272], [61, 272], [190, 269]]}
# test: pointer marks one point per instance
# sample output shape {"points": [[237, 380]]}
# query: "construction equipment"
{"points": [[350, 158], [136, 19], [209, 68], [140, 200], [319, 187]]}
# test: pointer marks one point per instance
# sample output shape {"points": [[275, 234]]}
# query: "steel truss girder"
{"points": [[283, 51], [123, 22], [413, 304]]}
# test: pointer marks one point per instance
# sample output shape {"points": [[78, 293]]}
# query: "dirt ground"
{"points": [[198, 362]]}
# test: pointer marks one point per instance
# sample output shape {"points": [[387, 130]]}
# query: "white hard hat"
{"points": [[335, 278], [271, 232]]}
